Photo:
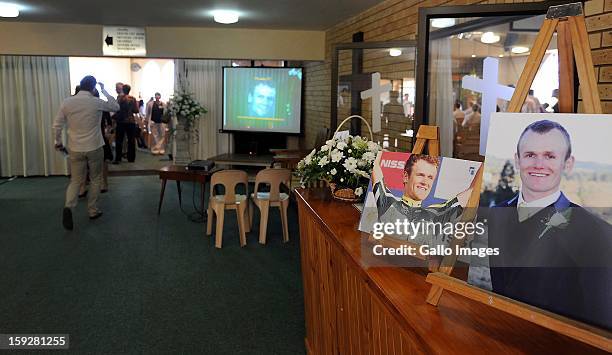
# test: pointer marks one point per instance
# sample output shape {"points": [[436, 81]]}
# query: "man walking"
{"points": [[81, 114]]}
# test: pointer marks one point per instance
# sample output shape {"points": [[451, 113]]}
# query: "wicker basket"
{"points": [[348, 194], [344, 194]]}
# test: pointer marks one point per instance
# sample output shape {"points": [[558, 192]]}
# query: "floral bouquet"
{"points": [[345, 163], [185, 107]]}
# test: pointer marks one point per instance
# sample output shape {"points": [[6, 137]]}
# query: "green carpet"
{"points": [[133, 282]]}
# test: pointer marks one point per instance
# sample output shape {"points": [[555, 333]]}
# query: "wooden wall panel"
{"points": [[397, 19], [343, 315]]}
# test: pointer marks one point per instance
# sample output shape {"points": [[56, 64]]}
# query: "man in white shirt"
{"points": [[81, 114]]}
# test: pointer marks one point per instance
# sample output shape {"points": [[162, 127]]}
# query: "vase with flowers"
{"points": [[345, 163], [187, 111]]}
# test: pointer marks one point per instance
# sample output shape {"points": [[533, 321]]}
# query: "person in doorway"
{"points": [[155, 112], [126, 125]]}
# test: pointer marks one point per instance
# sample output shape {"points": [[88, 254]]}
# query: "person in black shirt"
{"points": [[155, 111], [126, 125]]}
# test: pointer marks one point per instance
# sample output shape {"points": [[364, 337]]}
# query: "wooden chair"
{"points": [[274, 198], [228, 201]]}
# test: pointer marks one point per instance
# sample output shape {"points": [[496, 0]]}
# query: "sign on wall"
{"points": [[124, 41]]}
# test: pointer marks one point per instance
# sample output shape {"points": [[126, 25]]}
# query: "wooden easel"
{"points": [[427, 136], [568, 21]]}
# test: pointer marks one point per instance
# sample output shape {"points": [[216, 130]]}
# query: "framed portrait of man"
{"points": [[420, 193], [546, 198]]}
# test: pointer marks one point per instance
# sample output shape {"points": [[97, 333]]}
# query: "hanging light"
{"points": [[489, 37], [442, 22], [225, 16], [395, 52], [8, 10], [520, 50]]}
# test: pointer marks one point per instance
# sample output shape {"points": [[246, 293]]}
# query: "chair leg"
{"points": [[220, 212], [264, 207], [240, 216], [209, 221], [251, 211], [283, 213], [247, 216]]}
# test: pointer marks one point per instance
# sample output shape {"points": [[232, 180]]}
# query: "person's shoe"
{"points": [[67, 219], [83, 194], [96, 216], [103, 191], [115, 162]]}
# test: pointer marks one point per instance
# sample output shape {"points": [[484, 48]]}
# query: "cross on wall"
{"points": [[491, 91], [374, 93]]}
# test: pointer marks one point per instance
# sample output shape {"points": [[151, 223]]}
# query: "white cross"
{"points": [[491, 91], [374, 93]]}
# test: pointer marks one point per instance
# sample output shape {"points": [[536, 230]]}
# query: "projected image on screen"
{"points": [[262, 99]]}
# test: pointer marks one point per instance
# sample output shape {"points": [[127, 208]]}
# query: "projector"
{"points": [[205, 165]]}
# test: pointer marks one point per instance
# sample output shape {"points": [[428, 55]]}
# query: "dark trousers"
{"points": [[124, 129]]}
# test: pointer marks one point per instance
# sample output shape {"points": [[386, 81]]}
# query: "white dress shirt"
{"points": [[528, 209], [82, 115]]}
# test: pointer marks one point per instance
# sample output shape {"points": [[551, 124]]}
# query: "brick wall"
{"points": [[397, 20], [598, 15]]}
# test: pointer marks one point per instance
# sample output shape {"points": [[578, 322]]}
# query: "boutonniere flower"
{"points": [[559, 220]]}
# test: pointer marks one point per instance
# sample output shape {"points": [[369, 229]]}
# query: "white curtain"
{"points": [[204, 78], [31, 91], [441, 93]]}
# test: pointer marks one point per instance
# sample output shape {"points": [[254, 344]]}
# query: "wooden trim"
{"points": [[566, 68], [568, 327]]}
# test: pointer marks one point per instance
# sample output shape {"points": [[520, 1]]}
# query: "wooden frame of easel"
{"points": [[572, 42]]}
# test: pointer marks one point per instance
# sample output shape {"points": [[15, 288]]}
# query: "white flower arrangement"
{"points": [[346, 168], [182, 104]]}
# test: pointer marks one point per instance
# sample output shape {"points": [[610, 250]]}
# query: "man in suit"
{"points": [[553, 253]]}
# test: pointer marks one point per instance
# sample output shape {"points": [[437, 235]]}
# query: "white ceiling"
{"points": [[273, 14]]}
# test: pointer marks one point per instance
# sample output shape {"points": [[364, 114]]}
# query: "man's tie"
{"points": [[524, 212]]}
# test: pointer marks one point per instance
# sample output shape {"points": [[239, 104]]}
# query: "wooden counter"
{"points": [[351, 309]]}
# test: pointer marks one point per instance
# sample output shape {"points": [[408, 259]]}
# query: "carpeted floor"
{"points": [[133, 282], [145, 161]]}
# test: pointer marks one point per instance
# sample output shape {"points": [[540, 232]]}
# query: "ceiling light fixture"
{"points": [[8, 10], [473, 55], [225, 16], [489, 37], [501, 55], [520, 50], [442, 22], [395, 52]]}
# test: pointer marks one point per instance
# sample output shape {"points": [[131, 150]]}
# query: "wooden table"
{"points": [[180, 173], [351, 308]]}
